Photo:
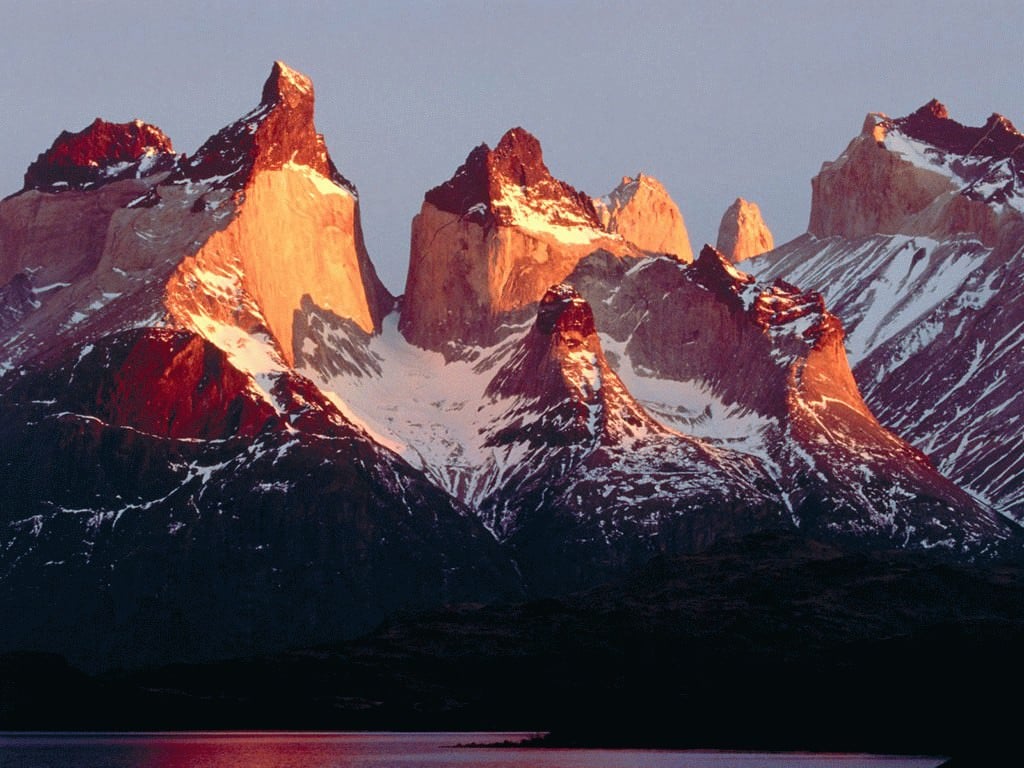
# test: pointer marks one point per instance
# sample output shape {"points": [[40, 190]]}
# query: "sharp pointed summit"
{"points": [[279, 132], [287, 85]]}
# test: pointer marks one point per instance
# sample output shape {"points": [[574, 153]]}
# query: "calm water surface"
{"points": [[373, 750]]}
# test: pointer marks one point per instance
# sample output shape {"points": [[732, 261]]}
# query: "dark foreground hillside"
{"points": [[768, 642]]}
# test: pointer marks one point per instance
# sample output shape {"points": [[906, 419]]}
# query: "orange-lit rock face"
{"points": [[641, 211], [258, 221], [870, 190], [923, 174], [743, 233], [464, 275], [295, 234], [490, 241], [291, 231]]}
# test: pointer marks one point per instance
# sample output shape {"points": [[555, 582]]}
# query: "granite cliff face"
{"points": [[291, 232], [642, 211], [743, 233], [924, 174], [488, 242]]}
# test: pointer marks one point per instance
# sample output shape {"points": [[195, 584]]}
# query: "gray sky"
{"points": [[716, 99]]}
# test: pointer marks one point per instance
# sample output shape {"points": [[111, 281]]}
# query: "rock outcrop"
{"points": [[100, 153], [488, 242], [924, 174], [641, 211], [256, 229], [784, 391], [294, 232], [743, 233], [599, 486]]}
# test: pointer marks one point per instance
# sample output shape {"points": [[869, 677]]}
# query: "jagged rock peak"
{"points": [[931, 123], [713, 270], [562, 309], [100, 153], [509, 183], [642, 211], [743, 232], [286, 85], [923, 174], [519, 159], [278, 132]]}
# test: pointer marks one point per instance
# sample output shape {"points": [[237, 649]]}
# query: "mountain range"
{"points": [[222, 435]]}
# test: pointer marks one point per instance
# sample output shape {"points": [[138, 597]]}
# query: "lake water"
{"points": [[374, 750]]}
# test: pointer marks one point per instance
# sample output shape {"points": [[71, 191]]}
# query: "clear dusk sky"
{"points": [[716, 99]]}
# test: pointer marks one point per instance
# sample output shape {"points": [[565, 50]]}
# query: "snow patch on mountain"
{"points": [[430, 413], [546, 217]]}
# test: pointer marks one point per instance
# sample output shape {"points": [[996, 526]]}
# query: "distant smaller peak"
{"points": [[743, 233], [1001, 123], [286, 85], [628, 188]]}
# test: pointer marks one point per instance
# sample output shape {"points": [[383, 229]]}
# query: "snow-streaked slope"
{"points": [[430, 412], [935, 335]]}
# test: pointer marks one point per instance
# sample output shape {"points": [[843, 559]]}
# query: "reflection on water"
{"points": [[374, 750]]}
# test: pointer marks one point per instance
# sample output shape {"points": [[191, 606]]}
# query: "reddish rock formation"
{"points": [[100, 153], [295, 231], [481, 185], [642, 211], [743, 233], [173, 384], [278, 132], [489, 242], [923, 174]]}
